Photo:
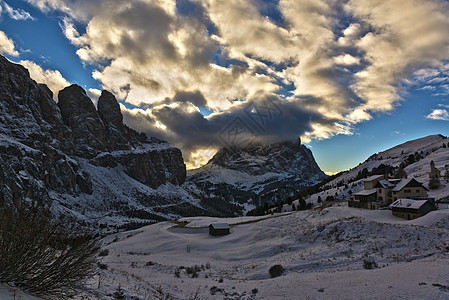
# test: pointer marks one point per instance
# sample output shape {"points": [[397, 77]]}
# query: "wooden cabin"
{"points": [[219, 229], [411, 209]]}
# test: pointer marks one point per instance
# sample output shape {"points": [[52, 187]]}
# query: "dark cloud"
{"points": [[268, 120], [195, 97]]}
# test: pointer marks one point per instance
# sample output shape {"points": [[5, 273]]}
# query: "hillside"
{"points": [[425, 150], [322, 252]]}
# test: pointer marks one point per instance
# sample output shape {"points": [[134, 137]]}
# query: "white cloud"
{"points": [[52, 78], [439, 114], [400, 44], [146, 52], [15, 14], [347, 60], [7, 45], [94, 94]]}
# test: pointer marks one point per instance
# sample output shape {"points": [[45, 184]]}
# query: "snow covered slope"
{"points": [[415, 155], [338, 253]]}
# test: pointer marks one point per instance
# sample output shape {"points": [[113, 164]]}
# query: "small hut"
{"points": [[411, 209], [219, 229]]}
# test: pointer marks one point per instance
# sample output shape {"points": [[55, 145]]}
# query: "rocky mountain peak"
{"points": [[56, 151], [259, 173], [79, 114], [119, 136], [258, 159], [27, 108], [109, 110], [73, 99]]}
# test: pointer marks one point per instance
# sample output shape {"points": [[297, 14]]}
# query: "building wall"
{"points": [[405, 215], [357, 204], [409, 192], [385, 195], [213, 231], [371, 184]]}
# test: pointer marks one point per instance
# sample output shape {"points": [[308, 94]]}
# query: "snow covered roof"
{"points": [[385, 184], [373, 177], [366, 192], [408, 203], [403, 183], [220, 226]]}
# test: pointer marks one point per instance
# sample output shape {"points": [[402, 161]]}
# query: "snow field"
{"points": [[322, 252]]}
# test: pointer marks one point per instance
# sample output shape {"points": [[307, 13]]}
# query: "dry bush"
{"points": [[43, 256], [276, 270]]}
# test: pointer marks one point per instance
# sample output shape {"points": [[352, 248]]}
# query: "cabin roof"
{"points": [[366, 192], [220, 225], [408, 203], [405, 182], [384, 184]]}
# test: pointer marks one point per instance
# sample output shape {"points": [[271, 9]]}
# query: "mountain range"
{"points": [[81, 160]]}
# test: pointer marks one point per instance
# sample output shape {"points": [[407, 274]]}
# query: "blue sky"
{"points": [[350, 79]]}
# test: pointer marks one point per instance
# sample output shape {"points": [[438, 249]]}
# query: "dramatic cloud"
{"points": [[439, 114], [406, 36], [7, 45], [52, 78], [322, 65], [254, 122], [15, 14]]}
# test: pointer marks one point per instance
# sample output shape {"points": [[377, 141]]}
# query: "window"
{"points": [[407, 191], [417, 191], [380, 190]]}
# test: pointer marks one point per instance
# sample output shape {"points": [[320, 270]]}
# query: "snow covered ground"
{"points": [[9, 292], [323, 253]]}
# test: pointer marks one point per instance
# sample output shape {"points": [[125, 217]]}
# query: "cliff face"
{"points": [[48, 149]]}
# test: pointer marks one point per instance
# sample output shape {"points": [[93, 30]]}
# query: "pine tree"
{"points": [[434, 183], [119, 294], [400, 173], [302, 204]]}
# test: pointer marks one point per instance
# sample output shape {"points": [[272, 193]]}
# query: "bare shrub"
{"points": [[43, 256], [369, 264], [276, 271]]}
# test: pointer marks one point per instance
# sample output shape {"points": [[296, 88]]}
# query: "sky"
{"points": [[348, 77]]}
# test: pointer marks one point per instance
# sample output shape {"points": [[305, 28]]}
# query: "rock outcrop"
{"points": [[80, 115], [109, 111], [49, 150]]}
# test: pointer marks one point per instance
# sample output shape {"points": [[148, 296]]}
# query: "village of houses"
{"points": [[406, 197]]}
